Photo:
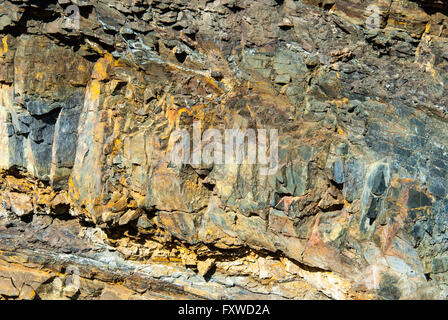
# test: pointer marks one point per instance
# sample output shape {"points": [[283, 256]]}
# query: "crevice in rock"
{"points": [[27, 218], [286, 28], [334, 207]]}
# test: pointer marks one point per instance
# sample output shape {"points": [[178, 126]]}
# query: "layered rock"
{"points": [[356, 208], [418, 17]]}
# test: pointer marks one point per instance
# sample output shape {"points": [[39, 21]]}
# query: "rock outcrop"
{"points": [[92, 205]]}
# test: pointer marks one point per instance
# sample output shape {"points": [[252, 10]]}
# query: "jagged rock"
{"points": [[7, 288], [19, 203]]}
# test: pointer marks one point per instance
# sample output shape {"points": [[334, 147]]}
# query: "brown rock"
{"points": [[19, 203]]}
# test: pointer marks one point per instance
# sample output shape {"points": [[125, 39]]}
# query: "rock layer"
{"points": [[357, 208]]}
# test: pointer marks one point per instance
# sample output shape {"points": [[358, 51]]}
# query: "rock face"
{"points": [[417, 17], [92, 91]]}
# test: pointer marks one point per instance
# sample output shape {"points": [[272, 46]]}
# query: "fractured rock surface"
{"points": [[356, 210]]}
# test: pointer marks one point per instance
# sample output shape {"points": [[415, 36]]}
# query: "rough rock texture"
{"points": [[357, 209]]}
